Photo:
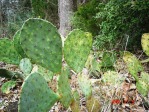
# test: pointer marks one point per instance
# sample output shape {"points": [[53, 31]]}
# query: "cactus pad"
{"points": [[77, 47], [48, 75], [25, 66], [108, 59], [8, 53], [85, 85], [7, 86], [42, 43], [133, 64], [17, 45], [64, 89], [36, 96], [93, 105], [145, 77], [75, 105], [145, 43], [142, 87]]}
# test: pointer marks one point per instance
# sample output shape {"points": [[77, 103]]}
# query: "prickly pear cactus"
{"points": [[108, 59], [77, 47], [36, 96], [85, 84], [25, 66], [17, 45], [142, 87], [48, 75], [5, 88], [145, 77], [145, 43], [75, 105], [42, 43], [64, 89], [8, 53], [93, 105], [133, 64]]}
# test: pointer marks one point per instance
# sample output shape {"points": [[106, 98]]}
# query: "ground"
{"points": [[122, 97]]}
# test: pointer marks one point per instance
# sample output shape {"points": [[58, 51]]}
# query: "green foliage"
{"points": [[42, 43], [46, 9], [64, 89], [36, 96], [7, 86], [17, 45], [77, 47], [8, 53], [122, 19], [84, 17], [39, 7]]}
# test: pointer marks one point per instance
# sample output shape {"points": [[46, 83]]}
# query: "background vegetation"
{"points": [[114, 22]]}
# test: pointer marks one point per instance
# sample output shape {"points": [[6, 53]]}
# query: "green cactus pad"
{"points": [[145, 77], [42, 44], [8, 53], [145, 43], [77, 47], [64, 89], [93, 105], [48, 75], [133, 64], [7, 86], [36, 96], [85, 85], [17, 45], [108, 59], [25, 66], [142, 87], [75, 105]]}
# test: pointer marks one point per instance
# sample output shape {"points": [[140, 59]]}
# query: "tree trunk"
{"points": [[66, 8]]}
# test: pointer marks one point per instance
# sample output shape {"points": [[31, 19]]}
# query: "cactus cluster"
{"points": [[38, 42], [135, 67]]}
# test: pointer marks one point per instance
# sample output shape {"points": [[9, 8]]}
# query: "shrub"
{"points": [[84, 17], [122, 19]]}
